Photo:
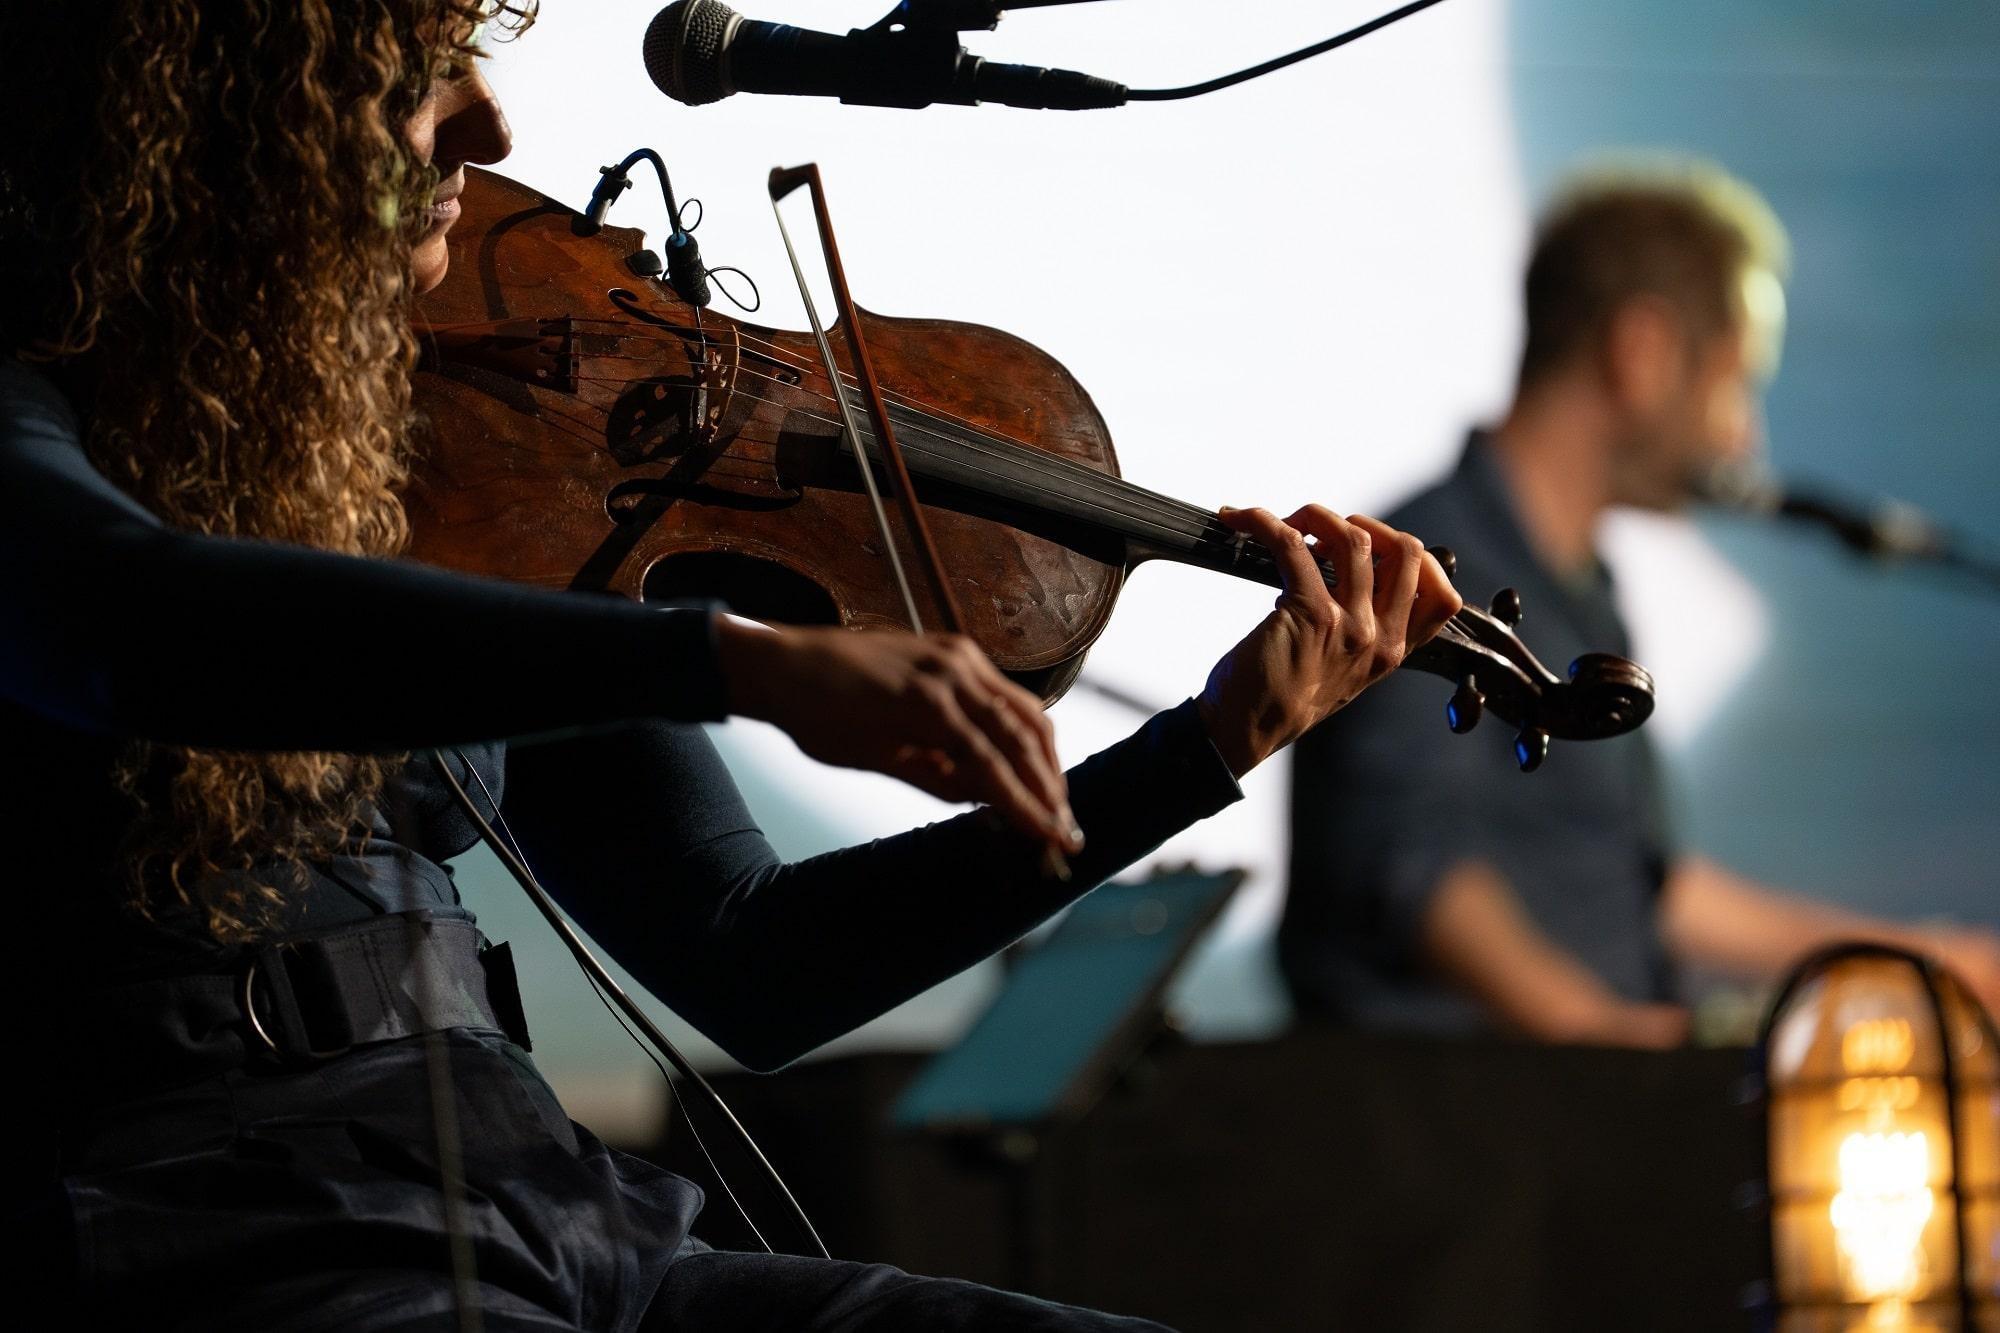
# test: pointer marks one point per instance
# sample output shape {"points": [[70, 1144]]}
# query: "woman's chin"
{"points": [[428, 264]]}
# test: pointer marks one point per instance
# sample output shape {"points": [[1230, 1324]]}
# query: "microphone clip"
{"points": [[685, 272], [611, 182], [942, 16]]}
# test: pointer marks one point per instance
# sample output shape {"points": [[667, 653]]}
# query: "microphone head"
{"points": [[1746, 484], [684, 50]]}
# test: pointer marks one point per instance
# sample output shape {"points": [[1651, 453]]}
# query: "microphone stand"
{"points": [[1888, 532], [961, 15]]}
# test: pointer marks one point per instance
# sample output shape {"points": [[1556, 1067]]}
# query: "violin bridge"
{"points": [[716, 381]]}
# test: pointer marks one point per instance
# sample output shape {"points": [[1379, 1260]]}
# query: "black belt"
{"points": [[295, 1001]]}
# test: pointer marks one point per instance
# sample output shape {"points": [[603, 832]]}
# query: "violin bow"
{"points": [[783, 181]]}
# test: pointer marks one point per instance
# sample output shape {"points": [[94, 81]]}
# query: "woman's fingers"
{"points": [[1298, 571], [1437, 601], [1013, 722], [1399, 565], [1007, 759], [932, 711], [1350, 549], [1389, 588], [979, 771]]}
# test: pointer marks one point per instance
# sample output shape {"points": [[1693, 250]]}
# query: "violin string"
{"points": [[922, 443], [1025, 455], [1072, 470], [1169, 515], [1109, 489], [778, 353], [985, 439], [1074, 473], [1209, 529], [1206, 527]]}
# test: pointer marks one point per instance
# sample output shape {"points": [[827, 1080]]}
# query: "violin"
{"points": [[587, 429]]}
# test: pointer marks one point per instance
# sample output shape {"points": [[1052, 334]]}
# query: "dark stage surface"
{"points": [[1322, 1181]]}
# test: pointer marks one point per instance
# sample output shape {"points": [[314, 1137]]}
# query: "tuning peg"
{"points": [[1463, 710], [1506, 607], [1531, 746], [1445, 558]]}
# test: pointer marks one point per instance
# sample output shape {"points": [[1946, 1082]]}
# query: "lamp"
{"points": [[1881, 1080]]}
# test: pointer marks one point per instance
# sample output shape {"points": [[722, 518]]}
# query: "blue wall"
{"points": [[1860, 759]]}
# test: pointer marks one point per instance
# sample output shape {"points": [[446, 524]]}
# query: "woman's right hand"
{"points": [[930, 709]]}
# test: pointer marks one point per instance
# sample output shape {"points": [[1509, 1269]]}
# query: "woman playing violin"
{"points": [[232, 864]]}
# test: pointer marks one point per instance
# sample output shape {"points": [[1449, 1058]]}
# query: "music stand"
{"points": [[1076, 1012]]}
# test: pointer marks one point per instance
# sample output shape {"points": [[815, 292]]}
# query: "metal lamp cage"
{"points": [[1880, 1077]]}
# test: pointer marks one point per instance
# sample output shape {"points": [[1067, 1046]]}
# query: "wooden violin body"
{"points": [[586, 429], [585, 432]]}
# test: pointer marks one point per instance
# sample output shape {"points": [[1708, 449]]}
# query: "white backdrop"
{"points": [[1299, 289]]}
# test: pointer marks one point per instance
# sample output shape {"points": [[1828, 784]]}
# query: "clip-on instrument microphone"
{"points": [[686, 274]]}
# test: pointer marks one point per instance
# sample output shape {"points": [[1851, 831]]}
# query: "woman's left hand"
{"points": [[1318, 649]]}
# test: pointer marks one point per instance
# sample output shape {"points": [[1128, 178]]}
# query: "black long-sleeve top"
{"points": [[115, 627]]}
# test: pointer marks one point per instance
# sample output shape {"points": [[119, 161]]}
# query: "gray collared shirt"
{"points": [[1385, 800]]}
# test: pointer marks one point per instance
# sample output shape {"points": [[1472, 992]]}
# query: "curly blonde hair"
{"points": [[210, 246]]}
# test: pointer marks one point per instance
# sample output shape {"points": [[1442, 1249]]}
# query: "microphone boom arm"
{"points": [[1887, 531], [961, 15]]}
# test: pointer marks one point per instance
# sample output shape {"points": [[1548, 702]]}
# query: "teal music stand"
{"points": [[1075, 1011]]}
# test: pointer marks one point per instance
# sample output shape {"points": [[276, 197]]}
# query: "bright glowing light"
{"points": [[1878, 1046], [1880, 1212]]}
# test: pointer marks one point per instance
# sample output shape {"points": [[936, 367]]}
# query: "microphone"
{"points": [[1883, 530], [701, 51], [686, 274]]}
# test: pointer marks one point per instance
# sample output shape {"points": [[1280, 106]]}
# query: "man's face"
{"points": [[460, 121], [1708, 411]]}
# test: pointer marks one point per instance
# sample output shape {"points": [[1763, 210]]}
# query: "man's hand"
{"points": [[1475, 934], [1646, 1027], [931, 709], [1318, 649], [1718, 919]]}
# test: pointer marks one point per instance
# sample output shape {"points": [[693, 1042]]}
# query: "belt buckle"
{"points": [[246, 995]]}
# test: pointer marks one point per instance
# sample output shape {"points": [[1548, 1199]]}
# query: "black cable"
{"points": [[1256, 71], [756, 297], [675, 1099], [608, 984], [451, 1169], [685, 271], [685, 227]]}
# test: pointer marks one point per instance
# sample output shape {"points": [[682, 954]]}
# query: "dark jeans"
{"points": [[310, 1202], [719, 1291], [706, 1291]]}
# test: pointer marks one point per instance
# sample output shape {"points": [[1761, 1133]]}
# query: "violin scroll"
{"points": [[1603, 696]]}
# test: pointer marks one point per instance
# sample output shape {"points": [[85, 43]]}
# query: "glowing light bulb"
{"points": [[1880, 1212], [1878, 1046], [1884, 1201]]}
